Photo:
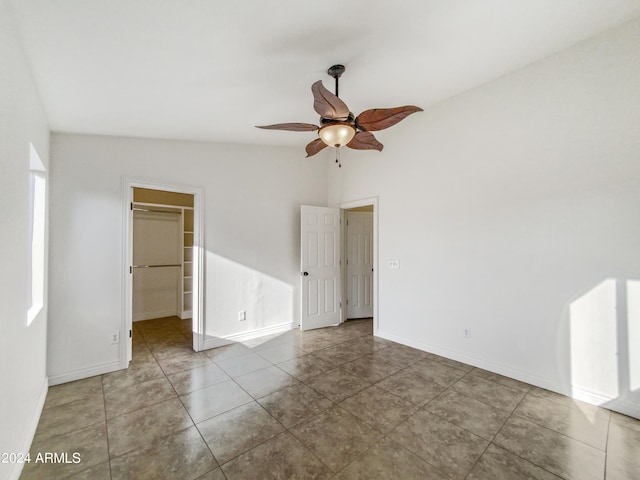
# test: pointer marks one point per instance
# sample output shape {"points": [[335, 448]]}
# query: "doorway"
{"points": [[370, 205], [358, 275], [323, 264], [163, 259]]}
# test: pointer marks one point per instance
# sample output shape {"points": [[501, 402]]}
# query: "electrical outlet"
{"points": [[467, 333], [115, 338], [242, 315], [394, 264]]}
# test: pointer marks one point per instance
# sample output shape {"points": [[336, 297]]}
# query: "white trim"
{"points": [[376, 208], [619, 405], [85, 372], [33, 426], [152, 315], [213, 342], [128, 183]]}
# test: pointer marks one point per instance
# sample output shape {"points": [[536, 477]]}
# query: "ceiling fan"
{"points": [[338, 126]]}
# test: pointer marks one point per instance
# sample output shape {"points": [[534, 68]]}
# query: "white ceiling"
{"points": [[212, 69]]}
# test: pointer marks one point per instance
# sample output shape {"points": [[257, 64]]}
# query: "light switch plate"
{"points": [[394, 264]]}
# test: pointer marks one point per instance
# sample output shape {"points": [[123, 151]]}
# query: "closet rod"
{"points": [[154, 266], [136, 209]]}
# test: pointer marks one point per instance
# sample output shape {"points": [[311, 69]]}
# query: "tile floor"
{"points": [[331, 403]]}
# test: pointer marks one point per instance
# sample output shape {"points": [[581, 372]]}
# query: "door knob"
{"points": [[305, 274]]}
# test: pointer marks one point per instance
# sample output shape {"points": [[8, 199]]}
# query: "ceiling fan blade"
{"points": [[365, 141], [314, 147], [327, 104], [381, 118], [293, 127]]}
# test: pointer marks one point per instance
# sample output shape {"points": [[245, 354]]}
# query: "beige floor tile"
{"points": [[184, 361], [311, 345], [370, 368], [620, 469], [135, 374], [453, 363], [339, 354], [181, 456], [293, 404], [89, 443], [495, 394], [411, 387], [435, 372], [557, 453], [197, 378], [71, 416], [337, 384], [134, 430], [72, 391], [553, 399], [211, 401], [502, 380], [336, 437], [498, 464], [624, 444], [282, 457], [213, 475], [389, 460], [244, 364], [280, 353], [99, 472], [226, 352], [399, 355], [379, 408], [128, 399], [625, 421], [236, 431], [266, 381], [305, 366], [451, 449], [587, 427], [469, 413]]}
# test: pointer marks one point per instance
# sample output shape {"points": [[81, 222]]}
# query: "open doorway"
{"points": [[360, 260], [163, 273], [358, 273]]}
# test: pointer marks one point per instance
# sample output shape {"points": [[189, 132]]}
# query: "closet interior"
{"points": [[162, 254]]}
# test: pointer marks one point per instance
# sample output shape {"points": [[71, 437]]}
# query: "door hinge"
{"points": [[131, 205], [130, 268], [347, 261], [347, 302], [130, 334]]}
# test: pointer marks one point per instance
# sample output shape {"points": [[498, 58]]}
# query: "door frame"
{"points": [[128, 184], [363, 202]]}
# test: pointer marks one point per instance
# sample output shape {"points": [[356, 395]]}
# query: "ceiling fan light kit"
{"points": [[339, 127]]}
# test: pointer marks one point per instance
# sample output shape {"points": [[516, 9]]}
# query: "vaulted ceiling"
{"points": [[212, 69]]}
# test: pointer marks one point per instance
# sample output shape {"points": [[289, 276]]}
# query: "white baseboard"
{"points": [[619, 405], [213, 342], [33, 426], [186, 314], [87, 372], [138, 317]]}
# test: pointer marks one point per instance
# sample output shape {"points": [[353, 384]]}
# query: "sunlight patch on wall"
{"points": [[593, 333]]}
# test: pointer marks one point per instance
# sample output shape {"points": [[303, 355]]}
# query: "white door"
{"points": [[359, 264], [319, 267]]}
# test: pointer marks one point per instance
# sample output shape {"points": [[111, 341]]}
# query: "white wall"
{"points": [[252, 198], [508, 207], [23, 382]]}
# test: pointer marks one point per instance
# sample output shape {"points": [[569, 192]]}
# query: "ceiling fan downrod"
{"points": [[335, 72]]}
